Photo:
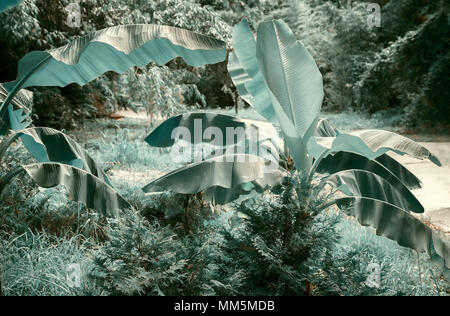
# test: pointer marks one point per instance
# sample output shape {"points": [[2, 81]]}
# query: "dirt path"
{"points": [[435, 193]]}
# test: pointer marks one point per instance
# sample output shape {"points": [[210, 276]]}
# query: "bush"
{"points": [[378, 69], [283, 242]]}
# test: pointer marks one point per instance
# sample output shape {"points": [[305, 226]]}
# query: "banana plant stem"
{"points": [[5, 180]]}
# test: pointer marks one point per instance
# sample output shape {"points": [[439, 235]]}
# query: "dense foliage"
{"points": [[281, 242], [397, 68]]}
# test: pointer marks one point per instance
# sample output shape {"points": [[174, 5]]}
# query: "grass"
{"points": [[37, 264], [402, 270]]}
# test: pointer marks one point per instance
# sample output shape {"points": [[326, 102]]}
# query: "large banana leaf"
{"points": [[115, 48], [245, 73], [294, 83], [396, 224], [371, 144], [49, 145], [81, 186], [362, 183], [406, 176], [290, 73], [350, 161], [326, 129], [379, 139], [373, 202], [226, 172], [8, 4], [161, 136], [17, 116]]}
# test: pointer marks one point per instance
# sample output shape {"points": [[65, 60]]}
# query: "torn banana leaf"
{"points": [[49, 145], [326, 129], [379, 139], [116, 48], [23, 99]]}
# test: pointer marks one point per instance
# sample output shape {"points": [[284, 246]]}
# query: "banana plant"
{"points": [[62, 161], [276, 75], [115, 49], [280, 79]]}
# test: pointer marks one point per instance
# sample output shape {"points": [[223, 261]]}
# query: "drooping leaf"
{"points": [[371, 144], [398, 225], [23, 99], [245, 73], [406, 176], [326, 129], [379, 139], [81, 186], [116, 48], [49, 145], [8, 4], [361, 183], [227, 172], [197, 122], [389, 221], [373, 202], [342, 161]]}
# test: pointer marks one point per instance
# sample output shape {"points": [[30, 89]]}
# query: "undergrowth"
{"points": [[275, 244]]}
